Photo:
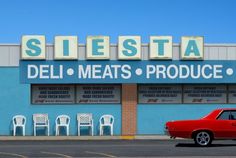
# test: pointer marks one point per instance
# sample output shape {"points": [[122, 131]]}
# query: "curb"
{"points": [[61, 138]]}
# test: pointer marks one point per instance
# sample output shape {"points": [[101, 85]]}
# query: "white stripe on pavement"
{"points": [[101, 154], [56, 154], [13, 154]]}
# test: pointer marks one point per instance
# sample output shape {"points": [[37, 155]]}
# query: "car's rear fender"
{"points": [[202, 129]]}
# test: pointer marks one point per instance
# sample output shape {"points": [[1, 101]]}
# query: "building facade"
{"points": [[140, 105]]}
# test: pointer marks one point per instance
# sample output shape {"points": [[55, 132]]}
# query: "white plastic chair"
{"points": [[41, 120], [85, 120], [19, 121], [62, 121], [106, 120]]}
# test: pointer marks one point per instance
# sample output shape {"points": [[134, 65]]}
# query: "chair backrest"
{"points": [[40, 118], [106, 120], [19, 120], [84, 118], [63, 119]]}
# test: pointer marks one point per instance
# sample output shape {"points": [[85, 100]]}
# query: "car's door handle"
{"points": [[234, 124]]}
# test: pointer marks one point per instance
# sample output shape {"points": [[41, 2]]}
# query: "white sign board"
{"points": [[129, 48], [213, 94], [160, 47], [159, 94], [192, 48], [33, 47], [89, 94], [66, 48], [53, 94], [98, 47]]}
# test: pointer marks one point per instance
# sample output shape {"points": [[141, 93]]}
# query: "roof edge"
{"points": [[143, 44]]}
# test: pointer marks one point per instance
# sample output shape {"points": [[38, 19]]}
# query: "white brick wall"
{"points": [[10, 53]]}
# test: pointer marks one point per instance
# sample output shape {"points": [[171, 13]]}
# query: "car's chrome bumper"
{"points": [[166, 131]]}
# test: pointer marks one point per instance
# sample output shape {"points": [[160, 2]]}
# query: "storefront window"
{"points": [[88, 94], [76, 94], [211, 94], [232, 94], [164, 94], [53, 94]]}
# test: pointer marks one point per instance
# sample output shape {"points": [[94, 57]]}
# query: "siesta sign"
{"points": [[33, 47], [66, 68]]}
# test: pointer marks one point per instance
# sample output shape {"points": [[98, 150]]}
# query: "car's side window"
{"points": [[233, 115], [224, 116]]}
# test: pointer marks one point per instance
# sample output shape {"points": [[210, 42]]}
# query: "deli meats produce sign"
{"points": [[67, 67], [127, 71]]}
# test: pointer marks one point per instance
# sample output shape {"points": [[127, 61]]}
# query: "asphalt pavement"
{"points": [[115, 148]]}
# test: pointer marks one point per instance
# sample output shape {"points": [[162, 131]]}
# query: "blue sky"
{"points": [[213, 19]]}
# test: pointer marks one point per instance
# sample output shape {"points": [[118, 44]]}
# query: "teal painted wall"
{"points": [[15, 99], [151, 118]]}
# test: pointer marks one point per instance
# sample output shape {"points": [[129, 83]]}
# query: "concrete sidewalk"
{"points": [[138, 137]]}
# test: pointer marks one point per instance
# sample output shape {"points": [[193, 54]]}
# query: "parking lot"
{"points": [[115, 148]]}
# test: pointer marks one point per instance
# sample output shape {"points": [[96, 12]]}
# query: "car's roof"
{"points": [[226, 109], [223, 109], [216, 112]]}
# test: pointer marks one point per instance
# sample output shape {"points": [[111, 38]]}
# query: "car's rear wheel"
{"points": [[203, 138]]}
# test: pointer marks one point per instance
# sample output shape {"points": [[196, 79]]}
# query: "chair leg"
{"points": [[112, 130], [92, 130], [14, 131], [23, 131], [78, 130], [34, 131], [56, 130], [48, 130], [101, 130]]}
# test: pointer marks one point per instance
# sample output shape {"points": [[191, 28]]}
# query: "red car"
{"points": [[219, 124]]}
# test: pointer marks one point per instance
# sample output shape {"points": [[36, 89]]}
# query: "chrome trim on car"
{"points": [[166, 131]]}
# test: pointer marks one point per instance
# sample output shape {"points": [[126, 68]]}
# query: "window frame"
{"points": [[230, 118], [75, 94]]}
